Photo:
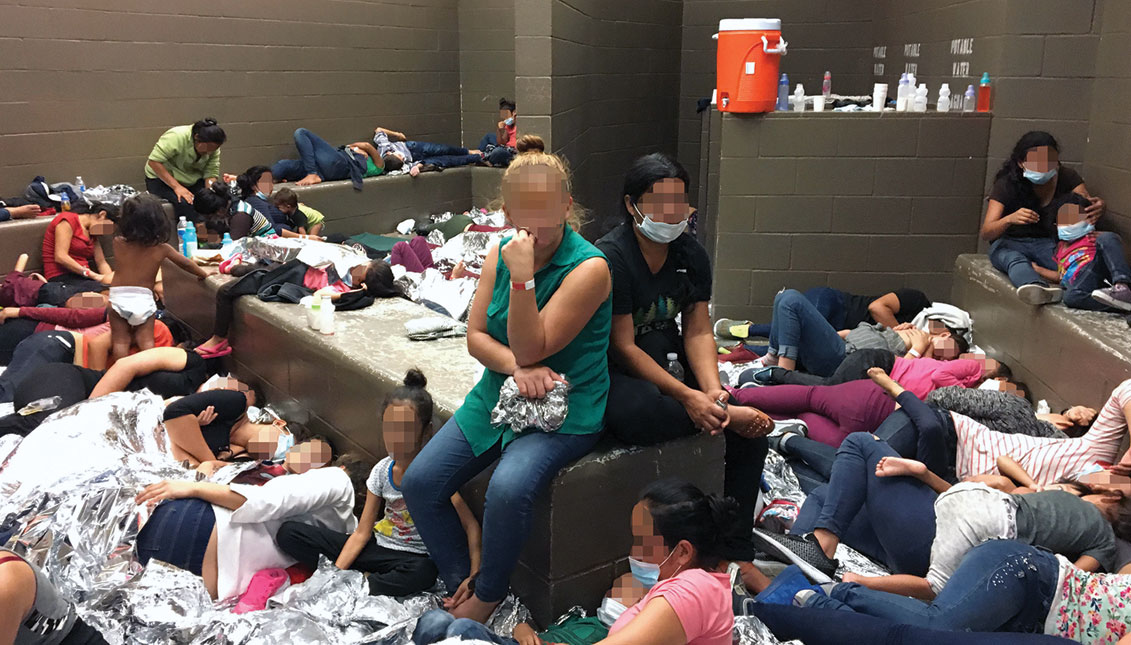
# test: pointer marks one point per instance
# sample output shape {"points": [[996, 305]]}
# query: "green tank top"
{"points": [[584, 361]]}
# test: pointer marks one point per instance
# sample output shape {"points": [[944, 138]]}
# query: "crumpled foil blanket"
{"points": [[525, 414]]}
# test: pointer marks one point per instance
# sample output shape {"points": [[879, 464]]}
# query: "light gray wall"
{"points": [[89, 85], [486, 64], [1107, 167]]}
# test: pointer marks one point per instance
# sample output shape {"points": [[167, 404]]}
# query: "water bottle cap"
{"points": [[784, 78], [985, 78], [673, 356]]}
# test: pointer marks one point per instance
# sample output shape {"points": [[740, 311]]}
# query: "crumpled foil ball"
{"points": [[522, 414]]}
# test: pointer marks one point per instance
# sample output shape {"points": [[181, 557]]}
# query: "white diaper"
{"points": [[135, 304]]}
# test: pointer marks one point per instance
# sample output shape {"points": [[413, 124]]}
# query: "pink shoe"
{"points": [[263, 585]]}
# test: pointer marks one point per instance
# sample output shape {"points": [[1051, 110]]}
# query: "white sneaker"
{"points": [[1039, 294]]}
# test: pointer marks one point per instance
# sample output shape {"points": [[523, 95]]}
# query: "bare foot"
{"points": [[24, 212], [881, 378], [749, 422], [414, 171], [474, 152], [900, 467], [475, 609], [309, 180]]}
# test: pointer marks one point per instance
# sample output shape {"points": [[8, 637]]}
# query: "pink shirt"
{"points": [[925, 375], [701, 600]]}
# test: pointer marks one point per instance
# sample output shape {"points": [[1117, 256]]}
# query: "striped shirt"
{"points": [[260, 225], [1046, 459]]}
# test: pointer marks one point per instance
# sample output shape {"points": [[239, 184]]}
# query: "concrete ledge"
{"points": [[1068, 356]]}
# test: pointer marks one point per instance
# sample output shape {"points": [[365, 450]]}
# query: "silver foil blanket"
{"points": [[521, 413], [115, 194], [748, 630]]}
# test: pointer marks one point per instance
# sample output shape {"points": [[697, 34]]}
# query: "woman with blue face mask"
{"points": [[1020, 220], [660, 272]]}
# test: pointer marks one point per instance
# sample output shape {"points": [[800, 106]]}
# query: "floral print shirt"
{"points": [[1090, 608]]}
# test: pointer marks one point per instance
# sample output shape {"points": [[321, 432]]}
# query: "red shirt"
{"points": [[512, 136], [82, 246]]}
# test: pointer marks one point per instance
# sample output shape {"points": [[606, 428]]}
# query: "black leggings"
{"points": [[180, 209], [854, 367], [814, 626], [639, 414]]}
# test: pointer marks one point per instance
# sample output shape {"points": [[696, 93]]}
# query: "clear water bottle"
{"points": [[827, 86], [182, 226], [226, 246], [80, 185], [190, 240], [968, 101], [675, 368], [783, 93]]}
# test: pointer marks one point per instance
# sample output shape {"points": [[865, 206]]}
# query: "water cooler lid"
{"points": [[750, 24]]}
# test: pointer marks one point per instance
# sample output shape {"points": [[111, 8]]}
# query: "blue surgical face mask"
{"points": [[646, 573], [1075, 231], [1039, 178], [659, 232], [286, 442], [261, 195], [509, 121]]}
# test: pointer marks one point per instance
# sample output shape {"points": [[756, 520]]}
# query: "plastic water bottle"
{"points": [[675, 368], [901, 94], [921, 98], [65, 202], [226, 245], [783, 93], [944, 98], [827, 86], [81, 186], [985, 96], [182, 226], [799, 98], [969, 101], [190, 240]]}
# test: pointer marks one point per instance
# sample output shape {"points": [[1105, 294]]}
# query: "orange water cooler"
{"points": [[750, 51]]}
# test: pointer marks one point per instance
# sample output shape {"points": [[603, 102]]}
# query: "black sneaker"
{"points": [[802, 550]]}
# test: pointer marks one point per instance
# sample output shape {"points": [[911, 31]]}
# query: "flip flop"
{"points": [[222, 349]]}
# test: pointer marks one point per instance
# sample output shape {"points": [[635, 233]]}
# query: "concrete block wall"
{"points": [[860, 202], [1107, 165], [90, 85], [486, 64]]}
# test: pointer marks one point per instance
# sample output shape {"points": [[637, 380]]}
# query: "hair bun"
{"points": [[724, 513], [208, 121], [530, 143], [415, 378]]}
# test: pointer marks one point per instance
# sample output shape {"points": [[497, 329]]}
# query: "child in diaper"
{"points": [[139, 249]]}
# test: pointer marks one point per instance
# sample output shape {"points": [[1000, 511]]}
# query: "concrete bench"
{"points": [[1067, 356], [581, 532]]}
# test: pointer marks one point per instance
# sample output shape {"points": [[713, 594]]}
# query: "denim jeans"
{"points": [[890, 519], [437, 625], [1109, 265], [1001, 585], [441, 155], [919, 431], [830, 302], [316, 157], [829, 627], [500, 156], [526, 466], [1014, 255], [799, 331]]}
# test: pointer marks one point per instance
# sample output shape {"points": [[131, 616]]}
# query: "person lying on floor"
{"points": [[225, 533], [1004, 407], [397, 152], [77, 313], [390, 550], [661, 273], [842, 310], [1087, 260], [34, 612], [800, 335], [898, 510], [320, 161], [678, 540]]}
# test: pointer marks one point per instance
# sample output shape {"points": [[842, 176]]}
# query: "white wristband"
{"points": [[915, 353]]}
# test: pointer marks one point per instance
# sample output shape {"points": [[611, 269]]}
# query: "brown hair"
{"points": [[285, 197], [532, 153]]}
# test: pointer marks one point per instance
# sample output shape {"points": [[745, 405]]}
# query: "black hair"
{"points": [[413, 392], [249, 179], [358, 469], [215, 205], [1011, 168], [1023, 387], [959, 336], [392, 162], [680, 511], [207, 131], [648, 170], [379, 282], [84, 208], [507, 104], [143, 221], [1003, 371]]}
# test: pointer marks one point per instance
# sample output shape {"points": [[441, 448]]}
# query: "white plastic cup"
{"points": [[326, 324], [879, 96], [818, 104], [306, 303]]}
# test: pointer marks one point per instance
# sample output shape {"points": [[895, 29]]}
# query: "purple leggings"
{"points": [[414, 255], [832, 412]]}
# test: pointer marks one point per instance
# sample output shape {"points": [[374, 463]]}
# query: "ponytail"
{"points": [[247, 181], [681, 511], [207, 130]]}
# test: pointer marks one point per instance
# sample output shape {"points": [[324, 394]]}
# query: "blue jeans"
{"points": [[441, 155], [799, 331], [525, 468], [830, 302], [437, 625], [1001, 585], [500, 156], [890, 519], [316, 157], [1109, 265], [1014, 255]]}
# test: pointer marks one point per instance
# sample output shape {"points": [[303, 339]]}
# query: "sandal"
{"points": [[223, 348]]}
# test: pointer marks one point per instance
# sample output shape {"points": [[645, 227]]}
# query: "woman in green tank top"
{"points": [[541, 314]]}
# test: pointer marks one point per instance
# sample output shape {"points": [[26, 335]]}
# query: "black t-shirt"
{"points": [[911, 302], [654, 300], [169, 384], [229, 406], [1013, 198]]}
